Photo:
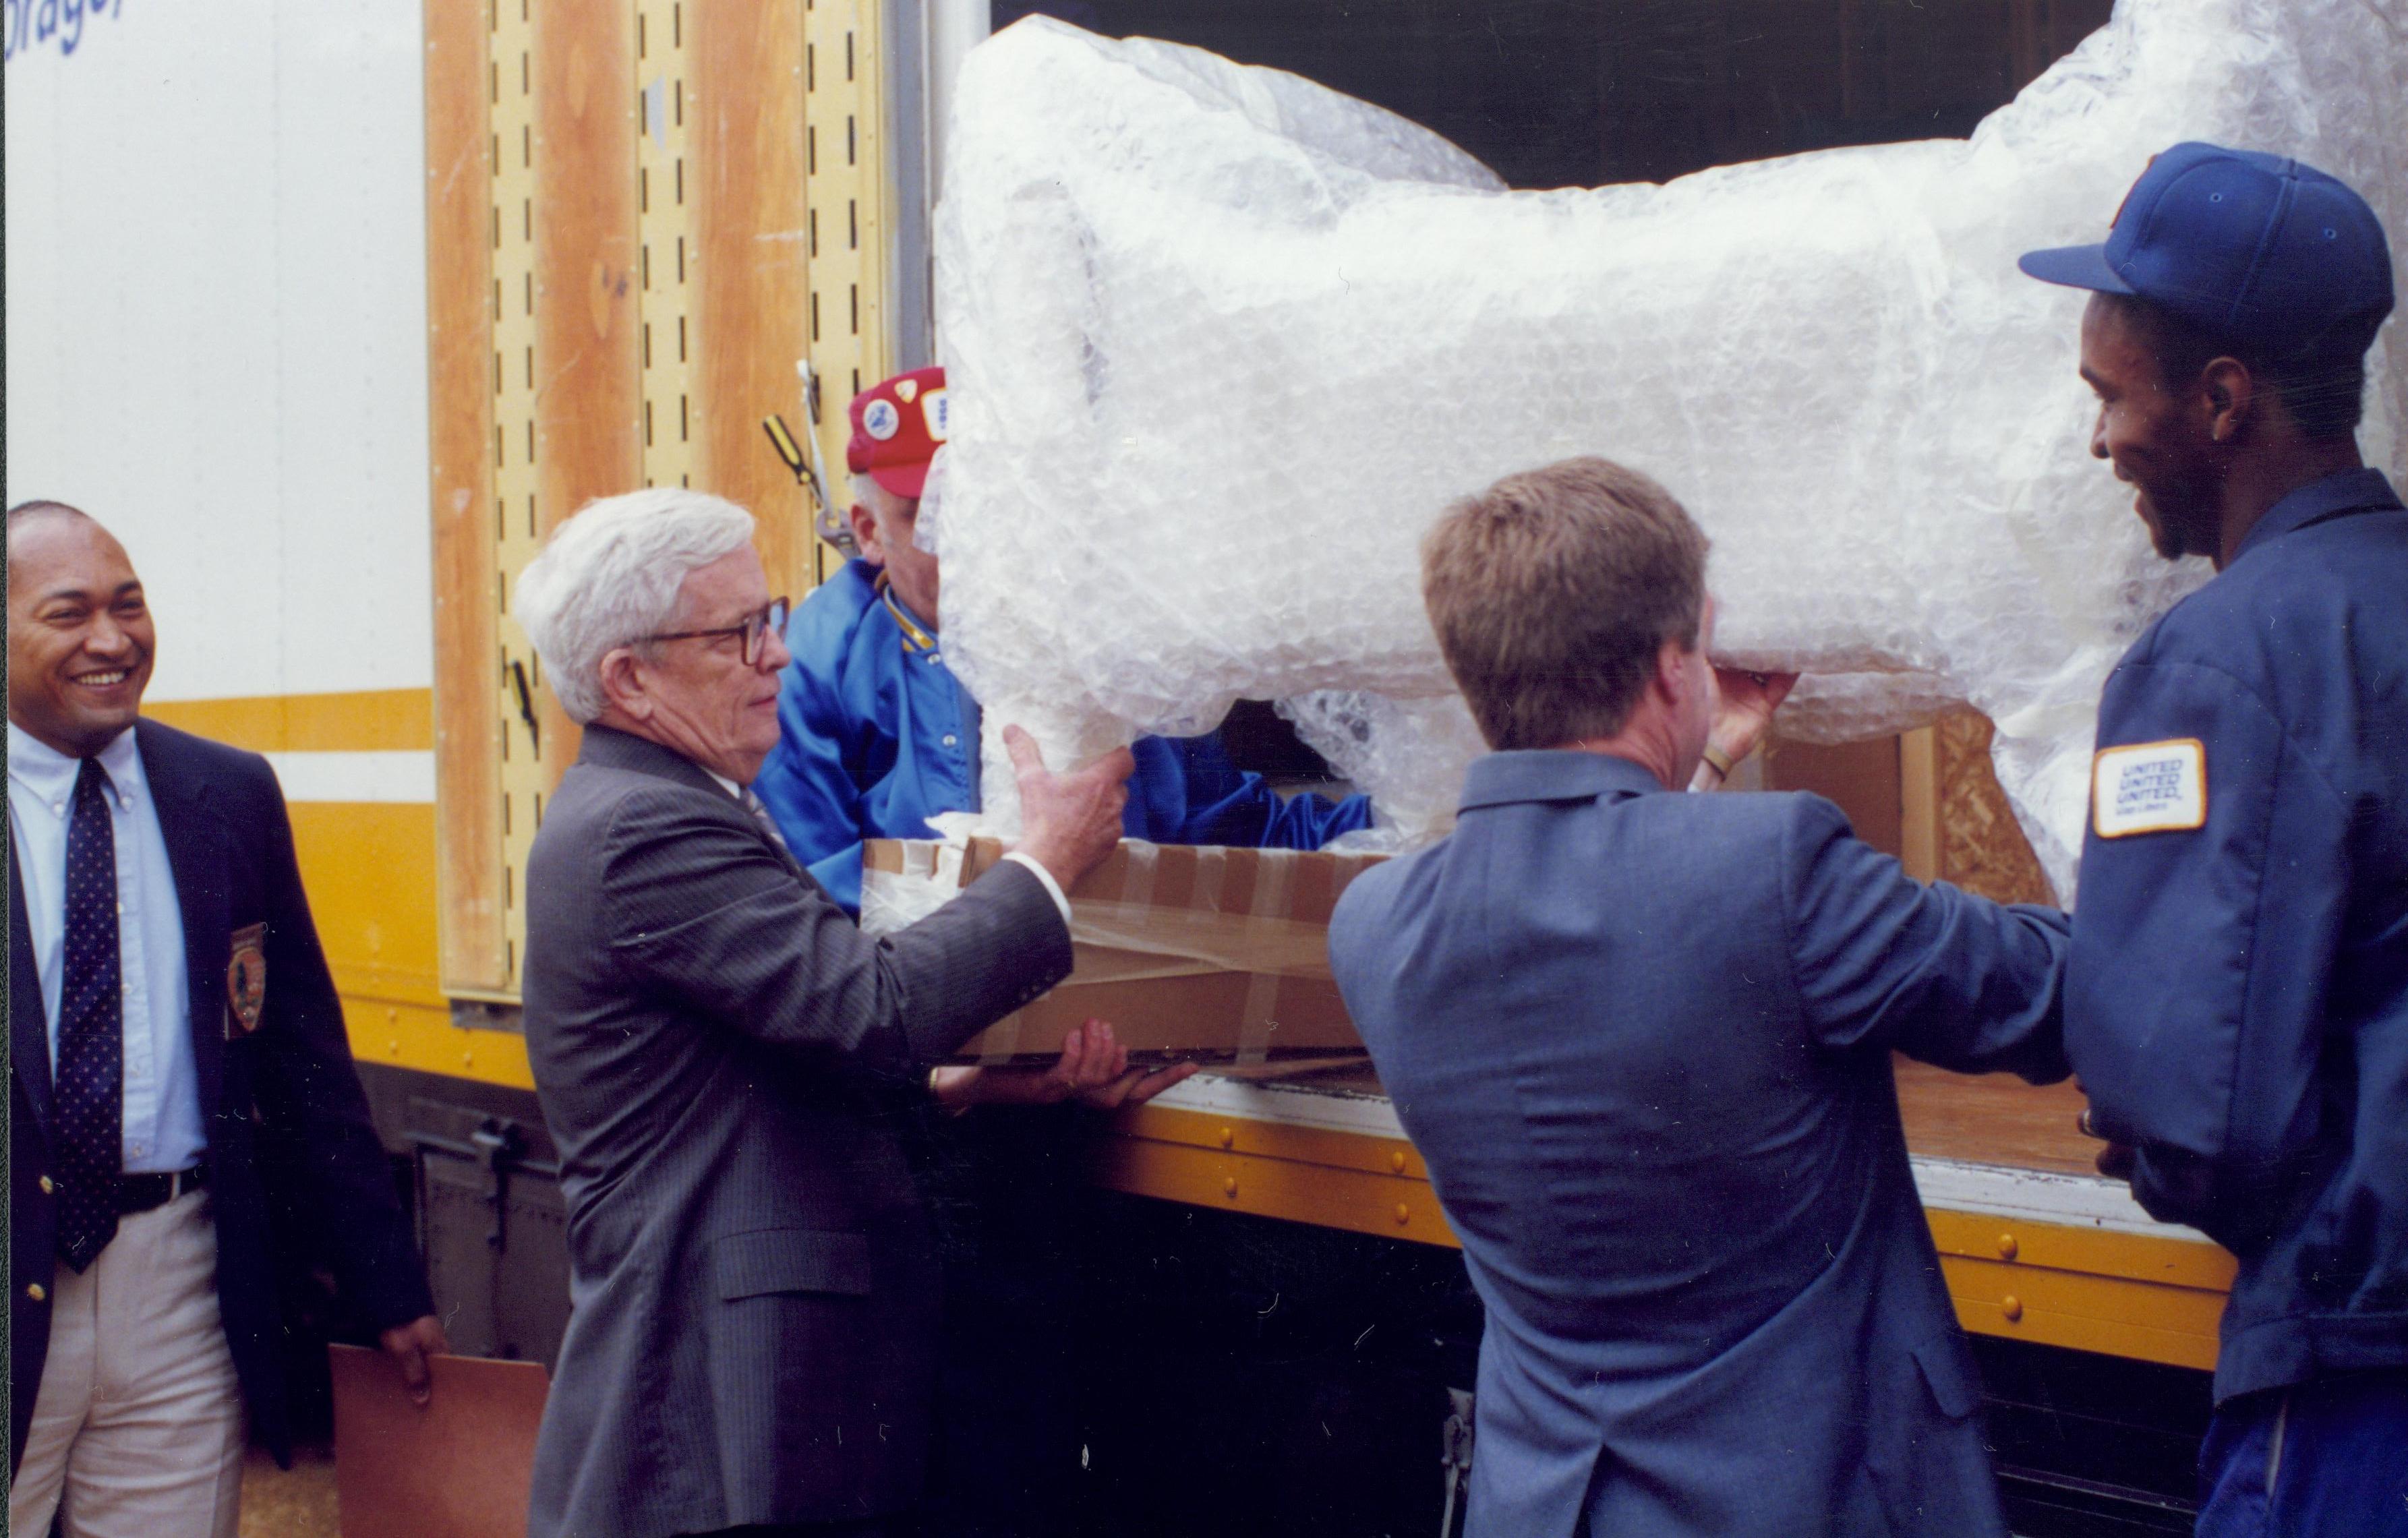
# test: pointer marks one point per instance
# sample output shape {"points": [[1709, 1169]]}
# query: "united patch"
{"points": [[2149, 787]]}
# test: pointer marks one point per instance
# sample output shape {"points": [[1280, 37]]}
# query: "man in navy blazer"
{"points": [[1643, 1042], [182, 1095]]}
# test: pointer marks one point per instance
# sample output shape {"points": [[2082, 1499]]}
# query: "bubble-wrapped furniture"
{"points": [[1223, 343]]}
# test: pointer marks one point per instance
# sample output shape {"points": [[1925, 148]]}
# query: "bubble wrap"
{"points": [[1223, 343]]}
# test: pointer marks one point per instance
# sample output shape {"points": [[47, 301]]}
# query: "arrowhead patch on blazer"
{"points": [[246, 981]]}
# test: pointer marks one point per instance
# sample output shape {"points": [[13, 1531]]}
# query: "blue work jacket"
{"points": [[2237, 998], [876, 736]]}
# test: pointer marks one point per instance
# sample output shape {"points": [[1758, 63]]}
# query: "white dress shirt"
{"points": [[162, 1098]]}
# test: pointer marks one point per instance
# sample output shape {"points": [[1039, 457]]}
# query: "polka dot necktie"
{"points": [[89, 1096]]}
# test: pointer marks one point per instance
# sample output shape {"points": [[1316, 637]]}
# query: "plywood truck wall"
{"points": [[638, 217]]}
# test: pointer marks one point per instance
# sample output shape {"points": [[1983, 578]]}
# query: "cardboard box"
{"points": [[1193, 953]]}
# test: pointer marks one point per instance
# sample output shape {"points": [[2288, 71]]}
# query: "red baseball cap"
{"points": [[897, 427]]}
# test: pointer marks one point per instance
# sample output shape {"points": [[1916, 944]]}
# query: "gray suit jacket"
{"points": [[720, 1054], [1644, 1041]]}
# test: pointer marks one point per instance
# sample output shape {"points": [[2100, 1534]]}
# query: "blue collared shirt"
{"points": [[163, 1101], [2237, 993], [876, 737]]}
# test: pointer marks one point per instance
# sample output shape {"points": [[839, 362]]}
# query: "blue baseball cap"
{"points": [[2271, 255]]}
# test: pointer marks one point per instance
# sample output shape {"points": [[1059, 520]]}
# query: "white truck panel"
{"points": [[217, 325]]}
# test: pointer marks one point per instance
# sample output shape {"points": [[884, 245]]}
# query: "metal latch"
{"points": [[503, 1146], [499, 1147], [1455, 1454]]}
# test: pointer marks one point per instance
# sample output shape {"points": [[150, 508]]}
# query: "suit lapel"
{"points": [[610, 748], [196, 852], [29, 1025]]}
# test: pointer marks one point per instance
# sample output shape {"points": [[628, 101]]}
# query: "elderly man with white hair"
{"points": [[720, 1054]]}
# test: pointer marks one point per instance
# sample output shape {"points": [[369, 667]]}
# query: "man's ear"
{"points": [[1671, 679], [865, 534], [622, 684], [2231, 398]]}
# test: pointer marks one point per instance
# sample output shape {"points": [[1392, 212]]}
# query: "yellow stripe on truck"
{"points": [[369, 869], [357, 721]]}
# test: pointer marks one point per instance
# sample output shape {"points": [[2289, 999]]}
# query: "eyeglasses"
{"points": [[755, 628]]}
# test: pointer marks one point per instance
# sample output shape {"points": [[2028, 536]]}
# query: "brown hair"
{"points": [[1552, 593]]}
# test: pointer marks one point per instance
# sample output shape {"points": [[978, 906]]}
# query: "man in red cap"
{"points": [[876, 737]]}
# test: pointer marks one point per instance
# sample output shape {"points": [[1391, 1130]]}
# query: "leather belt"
{"points": [[140, 1193]]}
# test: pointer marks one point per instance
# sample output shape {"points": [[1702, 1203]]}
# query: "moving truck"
{"points": [[332, 311]]}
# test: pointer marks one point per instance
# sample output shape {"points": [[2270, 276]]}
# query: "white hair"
{"points": [[611, 575], [877, 498], [889, 506]]}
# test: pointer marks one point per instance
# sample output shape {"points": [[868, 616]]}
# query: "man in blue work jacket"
{"points": [[877, 737], [2237, 994]]}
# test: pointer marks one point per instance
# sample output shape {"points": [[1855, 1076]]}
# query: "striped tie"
{"points": [[768, 825]]}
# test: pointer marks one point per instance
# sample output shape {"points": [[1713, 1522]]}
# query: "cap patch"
{"points": [[905, 389], [880, 420], [939, 417], [2149, 787]]}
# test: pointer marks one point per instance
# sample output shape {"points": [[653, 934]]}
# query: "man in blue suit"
{"points": [[1643, 1042]]}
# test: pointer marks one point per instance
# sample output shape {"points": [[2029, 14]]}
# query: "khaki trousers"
{"points": [[138, 1424]]}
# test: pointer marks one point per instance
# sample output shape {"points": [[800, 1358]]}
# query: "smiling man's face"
{"points": [[79, 636], [2157, 434]]}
